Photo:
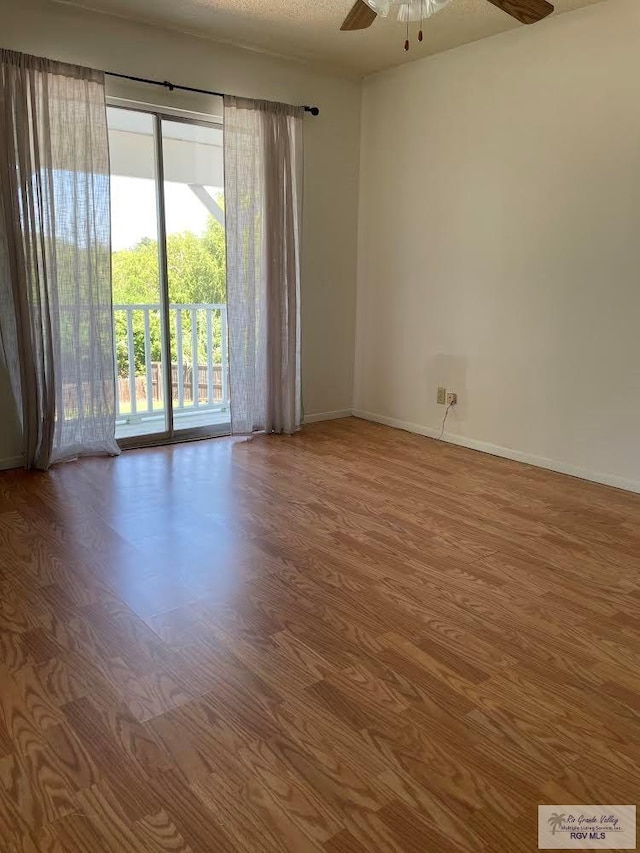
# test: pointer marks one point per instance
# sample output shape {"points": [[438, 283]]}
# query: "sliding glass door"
{"points": [[169, 277], [194, 214], [140, 351]]}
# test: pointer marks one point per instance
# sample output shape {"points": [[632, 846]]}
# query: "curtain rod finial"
{"points": [[315, 111]]}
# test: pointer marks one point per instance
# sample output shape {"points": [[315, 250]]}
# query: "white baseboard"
{"points": [[506, 452], [11, 462], [327, 416]]}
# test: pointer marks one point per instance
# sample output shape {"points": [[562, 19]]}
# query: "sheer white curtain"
{"points": [[56, 322], [263, 201]]}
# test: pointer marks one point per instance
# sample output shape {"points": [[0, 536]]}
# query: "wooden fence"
{"points": [[157, 384]]}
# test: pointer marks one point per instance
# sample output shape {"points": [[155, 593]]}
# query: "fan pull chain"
{"points": [[421, 20], [406, 43]]}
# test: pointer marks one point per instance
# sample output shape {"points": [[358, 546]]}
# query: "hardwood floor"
{"points": [[351, 640]]}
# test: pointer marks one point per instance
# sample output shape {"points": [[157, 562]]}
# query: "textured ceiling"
{"points": [[309, 29]]}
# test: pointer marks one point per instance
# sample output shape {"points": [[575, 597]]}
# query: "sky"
{"points": [[133, 210]]}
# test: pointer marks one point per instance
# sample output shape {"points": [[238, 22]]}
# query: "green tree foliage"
{"points": [[197, 276]]}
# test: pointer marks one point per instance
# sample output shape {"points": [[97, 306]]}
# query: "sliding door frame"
{"points": [[169, 435]]}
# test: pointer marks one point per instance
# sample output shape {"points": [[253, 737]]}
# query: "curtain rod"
{"points": [[171, 86]]}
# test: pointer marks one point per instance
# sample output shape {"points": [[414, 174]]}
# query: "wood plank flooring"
{"points": [[351, 640]]}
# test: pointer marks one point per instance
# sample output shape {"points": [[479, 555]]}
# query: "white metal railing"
{"points": [[199, 362]]}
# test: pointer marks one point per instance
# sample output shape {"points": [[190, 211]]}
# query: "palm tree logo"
{"points": [[556, 821]]}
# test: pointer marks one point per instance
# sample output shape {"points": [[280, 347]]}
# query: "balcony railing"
{"points": [[199, 361]]}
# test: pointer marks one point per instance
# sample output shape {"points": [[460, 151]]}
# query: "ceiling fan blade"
{"points": [[525, 11], [360, 17]]}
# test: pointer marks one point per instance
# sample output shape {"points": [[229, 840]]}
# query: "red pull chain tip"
{"points": [[420, 36], [406, 45]]}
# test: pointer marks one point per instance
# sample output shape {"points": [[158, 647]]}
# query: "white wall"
{"points": [[331, 159], [500, 243]]}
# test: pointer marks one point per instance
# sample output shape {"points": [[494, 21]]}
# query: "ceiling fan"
{"points": [[364, 12]]}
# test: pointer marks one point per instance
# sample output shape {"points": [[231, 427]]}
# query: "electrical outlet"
{"points": [[441, 397], [452, 398]]}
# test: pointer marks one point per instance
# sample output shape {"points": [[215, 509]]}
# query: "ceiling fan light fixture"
{"points": [[407, 11], [419, 10]]}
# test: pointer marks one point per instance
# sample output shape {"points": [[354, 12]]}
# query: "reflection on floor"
{"points": [[354, 639]]}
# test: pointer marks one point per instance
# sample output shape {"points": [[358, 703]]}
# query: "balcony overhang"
{"points": [[189, 155]]}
